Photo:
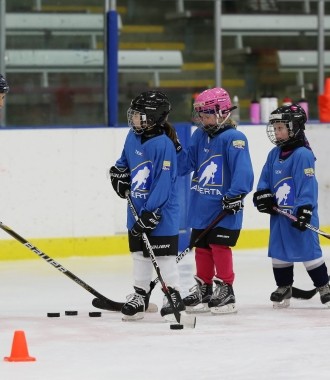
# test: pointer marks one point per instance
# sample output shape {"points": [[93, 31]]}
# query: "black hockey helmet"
{"points": [[4, 88], [152, 107], [294, 117]]}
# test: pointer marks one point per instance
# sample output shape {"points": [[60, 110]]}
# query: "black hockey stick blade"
{"points": [[105, 305], [115, 306], [304, 294]]}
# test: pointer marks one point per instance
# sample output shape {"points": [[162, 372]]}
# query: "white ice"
{"points": [[258, 342]]}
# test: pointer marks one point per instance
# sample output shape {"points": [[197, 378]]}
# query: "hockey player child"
{"points": [[148, 168], [218, 155], [288, 181], [4, 88]]}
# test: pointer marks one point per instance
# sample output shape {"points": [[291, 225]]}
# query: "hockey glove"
{"points": [[264, 201], [233, 205], [304, 215], [120, 180], [147, 222]]}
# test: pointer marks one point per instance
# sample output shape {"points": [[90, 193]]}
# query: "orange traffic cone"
{"points": [[19, 350]]}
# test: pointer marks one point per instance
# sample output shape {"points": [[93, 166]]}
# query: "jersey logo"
{"points": [[208, 174], [166, 165], [284, 193], [240, 144], [208, 178], [140, 179], [309, 172]]}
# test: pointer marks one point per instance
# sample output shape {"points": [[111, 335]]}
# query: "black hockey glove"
{"points": [[147, 222], [264, 201], [120, 180], [233, 205], [304, 215]]}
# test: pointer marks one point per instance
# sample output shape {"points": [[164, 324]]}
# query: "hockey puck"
{"points": [[95, 314], [53, 315], [176, 327], [71, 312]]}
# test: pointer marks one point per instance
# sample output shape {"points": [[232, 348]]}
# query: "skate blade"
{"points": [[226, 309], [189, 321], [132, 318], [281, 305], [200, 308]]}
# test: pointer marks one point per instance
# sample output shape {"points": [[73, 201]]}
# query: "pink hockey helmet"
{"points": [[214, 100]]}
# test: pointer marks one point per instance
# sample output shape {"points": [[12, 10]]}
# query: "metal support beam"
{"points": [[321, 46], [3, 52], [217, 42]]}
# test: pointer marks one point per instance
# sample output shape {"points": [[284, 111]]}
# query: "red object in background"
{"points": [[324, 108], [324, 103]]}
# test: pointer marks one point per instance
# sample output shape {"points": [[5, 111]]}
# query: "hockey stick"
{"points": [[304, 294], [199, 237], [294, 219], [187, 321], [103, 305], [115, 306]]}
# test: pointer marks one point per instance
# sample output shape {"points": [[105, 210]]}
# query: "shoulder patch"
{"points": [[240, 144], [166, 165], [309, 172]]}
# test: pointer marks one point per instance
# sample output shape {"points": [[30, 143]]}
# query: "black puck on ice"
{"points": [[176, 327], [95, 314], [53, 315], [71, 312]]}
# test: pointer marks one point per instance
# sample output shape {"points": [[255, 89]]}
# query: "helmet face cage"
{"points": [[137, 121], [294, 117], [215, 101], [4, 88], [147, 110]]}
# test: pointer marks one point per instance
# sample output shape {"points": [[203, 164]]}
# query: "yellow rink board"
{"points": [[110, 245]]}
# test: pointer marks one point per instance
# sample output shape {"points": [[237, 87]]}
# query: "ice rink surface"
{"points": [[258, 342]]}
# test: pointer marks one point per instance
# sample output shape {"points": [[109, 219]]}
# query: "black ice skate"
{"points": [[223, 299], [166, 311], [281, 297], [197, 301], [325, 294], [136, 305]]}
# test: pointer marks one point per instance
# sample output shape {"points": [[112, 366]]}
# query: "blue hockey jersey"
{"points": [[221, 166], [294, 184], [153, 168]]}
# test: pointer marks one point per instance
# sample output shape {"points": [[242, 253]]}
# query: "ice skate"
{"points": [[136, 305], [197, 301], [324, 294], [281, 297], [223, 299], [167, 311]]}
